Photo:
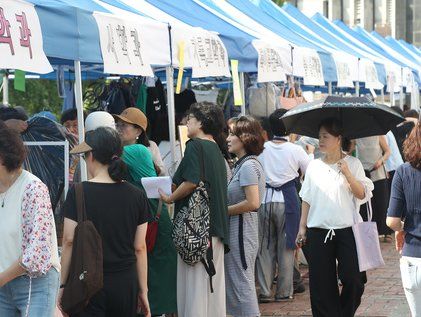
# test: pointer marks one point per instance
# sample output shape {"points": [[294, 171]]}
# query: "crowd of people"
{"points": [[274, 200]]}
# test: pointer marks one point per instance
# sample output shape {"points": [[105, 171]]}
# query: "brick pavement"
{"points": [[383, 296]]}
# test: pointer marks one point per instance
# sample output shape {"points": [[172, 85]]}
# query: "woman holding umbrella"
{"points": [[333, 187]]}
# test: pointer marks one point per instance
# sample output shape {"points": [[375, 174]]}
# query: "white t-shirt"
{"points": [[281, 162], [332, 204]]}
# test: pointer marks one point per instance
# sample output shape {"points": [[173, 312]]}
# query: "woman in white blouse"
{"points": [[333, 189], [29, 263]]}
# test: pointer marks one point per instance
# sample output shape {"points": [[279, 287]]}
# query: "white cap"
{"points": [[99, 119]]}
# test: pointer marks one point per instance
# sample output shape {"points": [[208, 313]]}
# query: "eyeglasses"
{"points": [[84, 155]]}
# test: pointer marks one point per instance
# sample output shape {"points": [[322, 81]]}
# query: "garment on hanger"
{"points": [[184, 100]]}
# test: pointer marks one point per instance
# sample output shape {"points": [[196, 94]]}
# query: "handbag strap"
{"points": [[368, 204], [202, 161], [240, 163], [369, 208], [80, 203], [158, 212]]}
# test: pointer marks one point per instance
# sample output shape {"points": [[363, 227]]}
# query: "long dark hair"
{"points": [[107, 150]]}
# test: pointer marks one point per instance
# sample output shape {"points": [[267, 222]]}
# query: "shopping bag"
{"points": [[292, 100], [152, 231], [367, 242]]}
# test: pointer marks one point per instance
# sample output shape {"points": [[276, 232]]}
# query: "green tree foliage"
{"points": [[40, 94], [279, 2]]}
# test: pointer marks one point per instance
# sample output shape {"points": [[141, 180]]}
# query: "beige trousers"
{"points": [[194, 297]]}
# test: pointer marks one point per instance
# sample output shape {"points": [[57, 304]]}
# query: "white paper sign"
{"points": [[21, 45], [368, 74], [313, 71], [274, 62], [209, 55], [122, 46], [152, 185], [407, 77], [344, 71]]}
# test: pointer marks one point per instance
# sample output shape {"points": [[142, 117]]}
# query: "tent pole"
{"points": [[401, 95], [243, 94], [80, 122], [382, 94], [357, 89], [169, 71], [5, 89], [329, 88]]}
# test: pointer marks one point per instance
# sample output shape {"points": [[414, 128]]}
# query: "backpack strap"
{"points": [[80, 203], [202, 161], [208, 264]]}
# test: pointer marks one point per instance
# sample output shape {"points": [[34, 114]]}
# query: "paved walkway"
{"points": [[383, 296]]}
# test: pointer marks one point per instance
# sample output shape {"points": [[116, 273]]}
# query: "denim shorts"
{"points": [[15, 296]]}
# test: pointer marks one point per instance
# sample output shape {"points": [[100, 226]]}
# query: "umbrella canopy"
{"points": [[360, 117]]}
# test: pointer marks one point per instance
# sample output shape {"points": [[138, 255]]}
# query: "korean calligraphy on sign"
{"points": [[343, 69], [313, 72], [273, 62], [209, 55], [123, 50], [21, 44], [370, 74]]}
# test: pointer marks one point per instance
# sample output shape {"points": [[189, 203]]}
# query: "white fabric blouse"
{"points": [[326, 190], [27, 228]]}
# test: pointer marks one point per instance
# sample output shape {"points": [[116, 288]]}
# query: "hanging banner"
{"points": [[180, 67], [368, 74], [394, 77], [122, 46], [209, 55], [343, 69], [274, 62], [407, 77], [238, 99], [312, 66], [21, 45]]}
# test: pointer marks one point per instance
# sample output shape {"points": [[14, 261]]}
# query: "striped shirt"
{"points": [[405, 203]]}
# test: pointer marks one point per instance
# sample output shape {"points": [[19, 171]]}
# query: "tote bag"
{"points": [[367, 241], [290, 101]]}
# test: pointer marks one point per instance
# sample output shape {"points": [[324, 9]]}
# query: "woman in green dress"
{"points": [[162, 261]]}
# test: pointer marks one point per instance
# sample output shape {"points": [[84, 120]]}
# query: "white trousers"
{"points": [[411, 281], [194, 297]]}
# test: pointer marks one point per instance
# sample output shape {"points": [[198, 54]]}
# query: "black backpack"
{"points": [[86, 266]]}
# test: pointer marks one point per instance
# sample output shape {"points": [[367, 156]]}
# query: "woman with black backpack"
{"points": [[200, 289], [119, 212]]}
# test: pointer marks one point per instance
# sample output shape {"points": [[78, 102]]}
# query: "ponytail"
{"points": [[117, 169]]}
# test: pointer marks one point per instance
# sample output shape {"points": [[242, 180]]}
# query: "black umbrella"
{"points": [[360, 117]]}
